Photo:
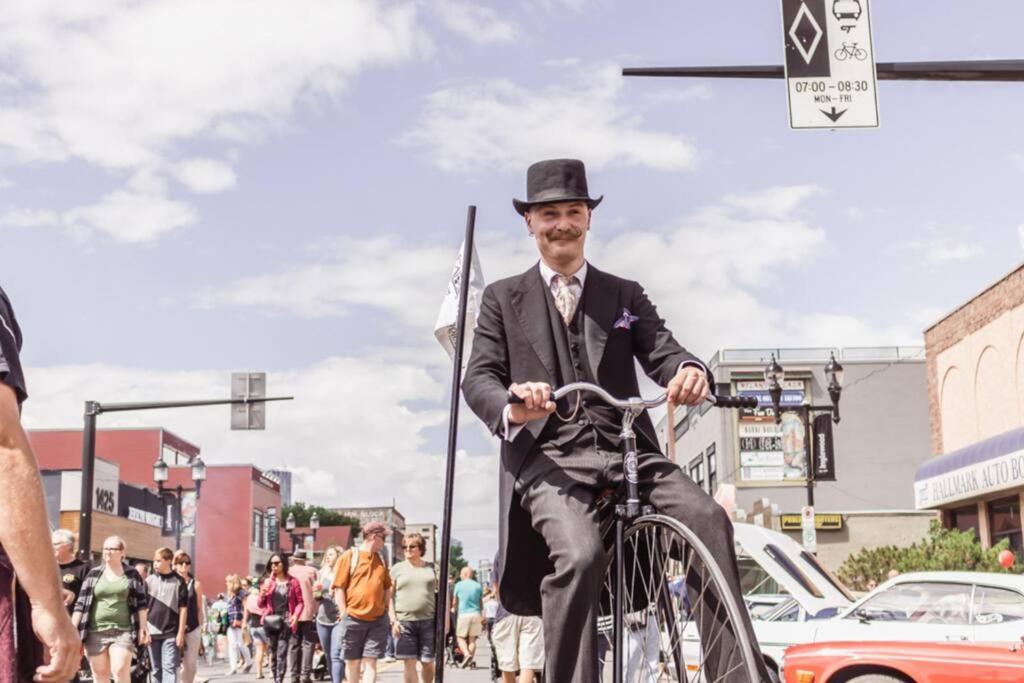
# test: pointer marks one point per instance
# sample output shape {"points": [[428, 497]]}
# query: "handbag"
{"points": [[273, 624]]}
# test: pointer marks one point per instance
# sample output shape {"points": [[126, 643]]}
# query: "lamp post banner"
{"points": [[824, 455]]}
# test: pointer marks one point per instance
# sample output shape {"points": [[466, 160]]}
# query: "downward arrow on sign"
{"points": [[834, 115]]}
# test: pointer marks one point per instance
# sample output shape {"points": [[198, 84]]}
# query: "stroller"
{"points": [[321, 667], [453, 654]]}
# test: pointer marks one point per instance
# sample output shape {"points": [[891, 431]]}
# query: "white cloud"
{"points": [[349, 276], [134, 78], [478, 23], [500, 124], [130, 217], [941, 251], [122, 85], [29, 218], [710, 273], [206, 176]]}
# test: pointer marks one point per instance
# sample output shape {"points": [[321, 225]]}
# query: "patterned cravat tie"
{"points": [[565, 297]]}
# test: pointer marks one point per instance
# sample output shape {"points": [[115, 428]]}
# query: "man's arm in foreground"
{"points": [[25, 534]]}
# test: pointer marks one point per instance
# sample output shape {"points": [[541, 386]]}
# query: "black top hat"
{"points": [[556, 180]]}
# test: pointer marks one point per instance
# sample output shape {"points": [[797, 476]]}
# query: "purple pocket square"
{"points": [[626, 321]]}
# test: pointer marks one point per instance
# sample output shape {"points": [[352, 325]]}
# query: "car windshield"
{"points": [[919, 602], [787, 611]]}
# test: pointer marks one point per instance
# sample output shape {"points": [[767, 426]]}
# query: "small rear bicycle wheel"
{"points": [[680, 621]]}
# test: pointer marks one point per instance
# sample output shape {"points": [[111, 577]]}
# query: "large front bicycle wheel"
{"points": [[680, 621]]}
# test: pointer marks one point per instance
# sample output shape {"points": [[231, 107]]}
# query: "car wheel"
{"points": [[875, 678], [773, 675]]}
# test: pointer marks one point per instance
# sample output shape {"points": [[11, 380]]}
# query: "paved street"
{"points": [[386, 672]]}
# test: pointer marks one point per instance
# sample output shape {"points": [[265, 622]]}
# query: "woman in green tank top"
{"points": [[111, 614]]}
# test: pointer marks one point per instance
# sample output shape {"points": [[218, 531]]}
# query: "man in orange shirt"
{"points": [[362, 590]]}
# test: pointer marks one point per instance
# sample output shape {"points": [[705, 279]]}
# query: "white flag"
{"points": [[446, 328]]}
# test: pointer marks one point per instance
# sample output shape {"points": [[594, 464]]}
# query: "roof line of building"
{"points": [[970, 300]]}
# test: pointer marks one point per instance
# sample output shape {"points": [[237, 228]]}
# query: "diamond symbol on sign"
{"points": [[805, 33]]}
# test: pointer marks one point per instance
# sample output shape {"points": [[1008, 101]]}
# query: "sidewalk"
{"points": [[391, 672]]}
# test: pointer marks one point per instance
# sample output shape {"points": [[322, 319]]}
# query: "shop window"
{"points": [[697, 471], [964, 519], [712, 470], [1004, 521], [257, 529]]}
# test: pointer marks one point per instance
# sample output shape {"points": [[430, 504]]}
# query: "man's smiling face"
{"points": [[560, 229]]}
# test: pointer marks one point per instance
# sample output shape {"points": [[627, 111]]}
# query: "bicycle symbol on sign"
{"points": [[851, 51]]}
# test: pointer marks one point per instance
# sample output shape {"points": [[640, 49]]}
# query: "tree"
{"points": [[455, 560], [327, 517], [942, 550]]}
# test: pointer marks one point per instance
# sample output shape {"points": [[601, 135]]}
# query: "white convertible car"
{"points": [[919, 606]]}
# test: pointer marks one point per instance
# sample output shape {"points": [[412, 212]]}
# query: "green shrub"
{"points": [[942, 550]]}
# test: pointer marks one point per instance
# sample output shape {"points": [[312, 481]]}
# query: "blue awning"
{"points": [[993, 447]]}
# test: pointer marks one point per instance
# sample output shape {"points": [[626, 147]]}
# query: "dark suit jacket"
{"points": [[513, 344]]}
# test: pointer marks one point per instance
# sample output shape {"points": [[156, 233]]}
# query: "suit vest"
{"points": [[595, 424]]}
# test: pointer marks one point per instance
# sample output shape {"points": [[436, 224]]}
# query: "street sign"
{"points": [[810, 534], [830, 64], [249, 385]]}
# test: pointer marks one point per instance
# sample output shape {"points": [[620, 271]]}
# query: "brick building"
{"points": [[975, 361], [229, 530]]}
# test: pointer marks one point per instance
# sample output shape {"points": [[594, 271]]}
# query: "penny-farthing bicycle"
{"points": [[646, 549]]}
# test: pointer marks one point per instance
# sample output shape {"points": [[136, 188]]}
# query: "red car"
{"points": [[892, 662]]}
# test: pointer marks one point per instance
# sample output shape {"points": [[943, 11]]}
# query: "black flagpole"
{"points": [[441, 605]]}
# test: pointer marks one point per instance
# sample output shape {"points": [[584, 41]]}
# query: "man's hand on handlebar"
{"points": [[536, 403], [688, 388]]}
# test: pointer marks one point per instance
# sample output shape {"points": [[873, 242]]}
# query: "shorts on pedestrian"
{"points": [[258, 634], [364, 639], [416, 641], [519, 643], [469, 626], [98, 641]]}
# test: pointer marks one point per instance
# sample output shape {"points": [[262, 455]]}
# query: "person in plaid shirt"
{"points": [[110, 614]]}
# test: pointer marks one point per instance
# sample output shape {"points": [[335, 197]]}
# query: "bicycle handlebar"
{"points": [[640, 403]]}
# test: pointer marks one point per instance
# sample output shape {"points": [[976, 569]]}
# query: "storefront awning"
{"points": [[989, 466]]}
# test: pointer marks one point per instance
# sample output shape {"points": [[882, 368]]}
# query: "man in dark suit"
{"points": [[562, 321]]}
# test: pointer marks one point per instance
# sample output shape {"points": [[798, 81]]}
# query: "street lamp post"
{"points": [[160, 474], [289, 525], [314, 525], [774, 375]]}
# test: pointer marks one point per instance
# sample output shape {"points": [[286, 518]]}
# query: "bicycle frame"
{"points": [[631, 510]]}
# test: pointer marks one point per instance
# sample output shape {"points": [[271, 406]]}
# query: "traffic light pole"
{"points": [[94, 409]]}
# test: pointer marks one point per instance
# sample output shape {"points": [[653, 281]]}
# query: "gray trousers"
{"points": [[559, 493], [300, 651]]}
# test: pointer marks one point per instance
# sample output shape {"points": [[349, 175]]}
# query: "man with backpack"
{"points": [[362, 590]]}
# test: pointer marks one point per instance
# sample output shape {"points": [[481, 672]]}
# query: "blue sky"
{"points": [[189, 188]]}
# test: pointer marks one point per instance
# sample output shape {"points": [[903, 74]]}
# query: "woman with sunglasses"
{"points": [[110, 614], [196, 617], [412, 610], [281, 600]]}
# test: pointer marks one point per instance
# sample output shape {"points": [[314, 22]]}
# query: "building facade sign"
{"points": [[152, 519], [770, 453], [990, 476], [822, 522]]}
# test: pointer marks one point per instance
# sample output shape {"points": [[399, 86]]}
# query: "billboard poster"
{"points": [[771, 453], [189, 509]]}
